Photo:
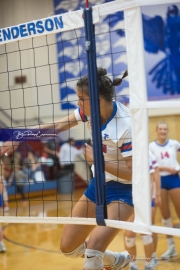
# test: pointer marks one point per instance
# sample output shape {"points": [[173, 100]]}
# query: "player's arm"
{"points": [[60, 125], [120, 169], [168, 169], [158, 186]]}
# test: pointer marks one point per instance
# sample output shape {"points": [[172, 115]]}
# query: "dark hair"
{"points": [[70, 140], [105, 85]]}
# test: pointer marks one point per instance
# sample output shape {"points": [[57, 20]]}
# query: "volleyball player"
{"points": [[149, 242], [165, 151], [117, 150]]}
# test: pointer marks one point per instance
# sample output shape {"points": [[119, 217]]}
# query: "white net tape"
{"points": [[138, 105]]}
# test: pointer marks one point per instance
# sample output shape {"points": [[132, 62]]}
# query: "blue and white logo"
{"points": [[72, 63], [161, 28], [106, 136]]}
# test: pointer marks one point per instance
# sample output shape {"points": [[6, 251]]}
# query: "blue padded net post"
{"points": [[101, 207]]}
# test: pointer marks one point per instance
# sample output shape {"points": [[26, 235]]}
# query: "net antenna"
{"points": [[101, 207], [87, 4]]}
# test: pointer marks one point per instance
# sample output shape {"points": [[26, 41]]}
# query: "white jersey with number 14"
{"points": [[166, 154]]}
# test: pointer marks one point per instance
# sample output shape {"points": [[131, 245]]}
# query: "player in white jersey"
{"points": [[149, 242], [165, 151], [117, 150]]}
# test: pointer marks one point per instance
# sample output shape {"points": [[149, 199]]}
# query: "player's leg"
{"points": [[101, 237], [175, 197], [154, 236], [79, 233], [148, 250], [5, 197], [166, 220], [2, 245], [130, 246]]}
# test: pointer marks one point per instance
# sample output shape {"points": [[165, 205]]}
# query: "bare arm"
{"points": [[158, 186], [60, 125], [119, 169], [168, 169]]}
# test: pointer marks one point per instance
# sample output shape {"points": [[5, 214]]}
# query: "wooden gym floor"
{"points": [[36, 246]]}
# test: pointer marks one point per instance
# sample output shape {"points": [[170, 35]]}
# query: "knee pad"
{"points": [[167, 222], [93, 259], [130, 242], [76, 253], [146, 239]]}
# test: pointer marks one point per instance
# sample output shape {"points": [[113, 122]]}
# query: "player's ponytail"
{"points": [[118, 81], [105, 85]]}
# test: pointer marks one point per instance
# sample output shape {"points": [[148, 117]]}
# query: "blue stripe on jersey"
{"points": [[162, 144], [112, 116], [126, 147]]}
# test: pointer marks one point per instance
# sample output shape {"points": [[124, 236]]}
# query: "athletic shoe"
{"points": [[122, 260], [6, 209], [171, 252], [2, 247], [154, 261]]}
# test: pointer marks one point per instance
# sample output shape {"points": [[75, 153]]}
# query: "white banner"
{"points": [[50, 25]]}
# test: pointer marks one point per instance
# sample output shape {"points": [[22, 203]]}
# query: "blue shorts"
{"points": [[115, 191], [1, 201], [152, 203], [169, 182]]}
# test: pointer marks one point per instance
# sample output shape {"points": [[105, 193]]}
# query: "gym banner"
{"points": [[110, 48], [50, 25], [161, 28]]}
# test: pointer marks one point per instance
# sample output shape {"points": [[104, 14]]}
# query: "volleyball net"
{"points": [[38, 87]]}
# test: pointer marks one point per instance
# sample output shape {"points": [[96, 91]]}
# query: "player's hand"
{"points": [[8, 147], [88, 154], [173, 171], [157, 200]]}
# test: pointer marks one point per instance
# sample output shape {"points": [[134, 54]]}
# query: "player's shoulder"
{"points": [[122, 116], [174, 143], [151, 155], [171, 141], [122, 110], [152, 144], [64, 145]]}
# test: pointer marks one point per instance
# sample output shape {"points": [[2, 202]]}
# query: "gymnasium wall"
{"points": [[43, 103], [26, 107]]}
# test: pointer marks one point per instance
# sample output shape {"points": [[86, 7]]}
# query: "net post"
{"points": [[101, 207]]}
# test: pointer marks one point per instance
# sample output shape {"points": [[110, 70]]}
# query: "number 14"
{"points": [[166, 154]]}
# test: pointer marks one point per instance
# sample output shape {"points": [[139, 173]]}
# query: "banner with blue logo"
{"points": [[161, 30], [72, 63]]}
